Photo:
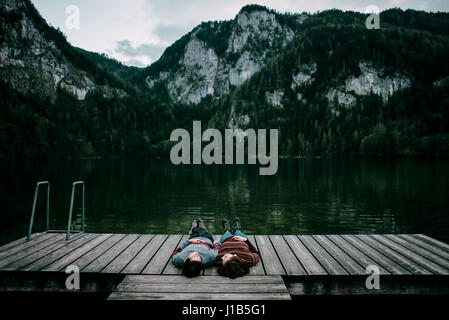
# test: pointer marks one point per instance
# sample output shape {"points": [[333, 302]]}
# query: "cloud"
{"points": [[139, 55], [150, 26], [169, 33], [151, 50]]}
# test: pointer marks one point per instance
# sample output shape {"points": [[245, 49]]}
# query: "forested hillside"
{"points": [[411, 121], [331, 87]]}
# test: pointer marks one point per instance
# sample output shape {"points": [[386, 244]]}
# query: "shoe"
{"points": [[237, 224], [225, 224], [199, 222]]}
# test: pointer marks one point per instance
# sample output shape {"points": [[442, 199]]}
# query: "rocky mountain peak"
{"points": [[34, 57], [206, 67], [255, 18]]}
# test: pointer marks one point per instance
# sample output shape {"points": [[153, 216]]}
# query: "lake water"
{"points": [[314, 196]]}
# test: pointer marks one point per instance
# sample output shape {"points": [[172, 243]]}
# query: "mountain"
{"points": [[37, 59], [331, 86], [340, 89], [217, 56]]}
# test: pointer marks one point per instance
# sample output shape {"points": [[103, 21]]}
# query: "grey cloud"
{"points": [[169, 33], [436, 5], [153, 51]]}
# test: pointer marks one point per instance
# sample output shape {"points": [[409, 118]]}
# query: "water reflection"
{"points": [[316, 196]]}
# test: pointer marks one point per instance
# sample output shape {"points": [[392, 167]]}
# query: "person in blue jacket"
{"points": [[198, 252]]}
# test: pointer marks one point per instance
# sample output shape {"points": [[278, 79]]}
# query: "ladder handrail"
{"points": [[69, 224], [33, 210]]}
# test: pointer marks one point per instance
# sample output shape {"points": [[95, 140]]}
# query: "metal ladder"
{"points": [[72, 199]]}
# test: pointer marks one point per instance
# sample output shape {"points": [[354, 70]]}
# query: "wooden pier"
{"points": [[138, 266]]}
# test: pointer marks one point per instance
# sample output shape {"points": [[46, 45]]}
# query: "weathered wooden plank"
{"points": [[202, 287], [138, 263], [170, 268], [432, 241], [205, 287], [15, 243], [416, 258], [393, 255], [164, 279], [122, 260], [396, 254], [102, 261], [211, 271], [198, 296], [26, 245], [93, 254], [329, 263], [30, 250], [75, 254], [419, 250], [161, 258], [57, 254], [379, 259], [429, 247], [272, 264], [258, 268], [355, 253], [288, 259], [308, 261], [355, 285], [20, 264], [342, 257]]}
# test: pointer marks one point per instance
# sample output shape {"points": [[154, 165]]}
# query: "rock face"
{"points": [[275, 98], [31, 62], [210, 61], [372, 80], [252, 39], [239, 122], [305, 76], [195, 79], [342, 98], [369, 81]]}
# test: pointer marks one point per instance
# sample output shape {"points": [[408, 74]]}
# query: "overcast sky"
{"points": [[136, 32]]}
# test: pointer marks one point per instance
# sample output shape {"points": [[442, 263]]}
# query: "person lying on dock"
{"points": [[237, 253], [198, 252]]}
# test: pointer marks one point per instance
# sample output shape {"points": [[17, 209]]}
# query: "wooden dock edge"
{"points": [[355, 285], [14, 281], [105, 284]]}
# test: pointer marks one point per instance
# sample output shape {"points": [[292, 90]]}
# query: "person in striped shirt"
{"points": [[237, 254]]}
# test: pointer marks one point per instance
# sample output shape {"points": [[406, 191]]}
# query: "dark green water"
{"points": [[315, 196]]}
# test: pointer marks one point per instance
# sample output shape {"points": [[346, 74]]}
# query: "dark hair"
{"points": [[192, 268], [234, 268]]}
